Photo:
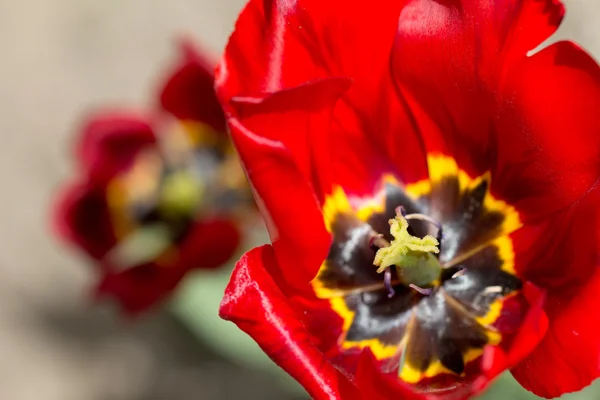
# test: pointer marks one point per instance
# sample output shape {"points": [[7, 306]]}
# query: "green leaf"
{"points": [[506, 387], [197, 303]]}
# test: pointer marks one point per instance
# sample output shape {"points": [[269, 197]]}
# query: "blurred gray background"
{"points": [[58, 59]]}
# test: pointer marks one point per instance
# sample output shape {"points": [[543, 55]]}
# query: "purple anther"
{"points": [[387, 282], [458, 273], [440, 235], [401, 210]]}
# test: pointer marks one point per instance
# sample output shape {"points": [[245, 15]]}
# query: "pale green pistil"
{"points": [[413, 257], [181, 193]]}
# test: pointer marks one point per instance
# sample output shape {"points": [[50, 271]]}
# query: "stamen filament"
{"points": [[423, 291], [400, 210], [378, 241], [423, 217]]}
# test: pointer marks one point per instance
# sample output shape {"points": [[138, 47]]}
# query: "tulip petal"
{"points": [[189, 93], [139, 288], [209, 243], [568, 263], [548, 139], [277, 327], [282, 179], [82, 217], [449, 60], [567, 359], [280, 45], [109, 143]]}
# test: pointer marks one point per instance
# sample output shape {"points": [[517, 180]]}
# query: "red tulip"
{"points": [[431, 191], [159, 194]]}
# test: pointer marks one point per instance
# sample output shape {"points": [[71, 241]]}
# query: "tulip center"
{"points": [[443, 297], [156, 201], [413, 258]]}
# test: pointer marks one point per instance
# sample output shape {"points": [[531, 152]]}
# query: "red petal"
{"points": [[372, 137], [139, 288], [279, 45], [109, 143], [464, 70], [532, 330], [549, 142], [189, 92], [209, 244], [568, 358], [450, 58], [533, 327], [567, 262], [376, 385], [562, 251], [257, 306], [298, 118], [281, 170], [81, 216]]}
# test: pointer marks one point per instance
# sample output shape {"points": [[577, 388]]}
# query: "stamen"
{"points": [[422, 217], [377, 241], [387, 282], [423, 291], [492, 290], [458, 273], [481, 296], [402, 211]]}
